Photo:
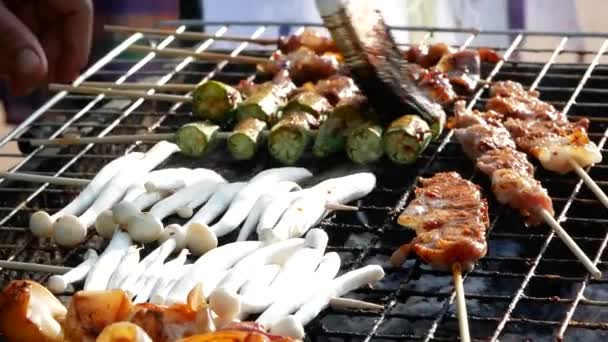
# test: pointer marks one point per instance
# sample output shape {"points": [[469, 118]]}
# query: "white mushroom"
{"points": [[214, 262], [108, 261], [41, 223], [275, 210], [246, 198], [300, 266], [181, 178], [147, 227], [176, 232], [287, 303], [224, 299], [308, 210], [136, 200], [129, 285], [70, 230], [293, 325], [122, 212], [59, 283], [157, 272], [261, 204]]}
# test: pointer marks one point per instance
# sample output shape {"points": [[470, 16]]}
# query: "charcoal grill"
{"points": [[528, 287]]}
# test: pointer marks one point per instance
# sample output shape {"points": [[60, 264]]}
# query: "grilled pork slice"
{"points": [[555, 142], [450, 219], [510, 99], [513, 183]]}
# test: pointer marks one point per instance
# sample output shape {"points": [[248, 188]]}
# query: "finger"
{"points": [[76, 20], [22, 59], [52, 49]]}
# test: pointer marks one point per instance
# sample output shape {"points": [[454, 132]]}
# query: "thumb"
{"points": [[22, 59]]}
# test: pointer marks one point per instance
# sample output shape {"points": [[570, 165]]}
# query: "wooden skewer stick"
{"points": [[580, 255], [461, 307], [28, 177], [348, 303], [113, 139], [589, 182], [187, 35], [141, 86], [211, 56], [340, 207], [33, 267], [121, 93]]}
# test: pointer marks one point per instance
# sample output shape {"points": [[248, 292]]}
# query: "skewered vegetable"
{"points": [[405, 138], [29, 312], [289, 138], [364, 143], [310, 102], [194, 138], [266, 100], [215, 101], [331, 137], [246, 137]]}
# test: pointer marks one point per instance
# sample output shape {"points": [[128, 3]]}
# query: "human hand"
{"points": [[43, 40]]}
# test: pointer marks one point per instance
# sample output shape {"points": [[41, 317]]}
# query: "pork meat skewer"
{"points": [[486, 141], [539, 129]]}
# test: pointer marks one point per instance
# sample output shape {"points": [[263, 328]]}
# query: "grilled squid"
{"points": [[260, 206], [208, 265], [294, 325], [299, 266], [287, 303], [224, 299], [41, 224], [245, 200], [70, 230], [311, 208]]}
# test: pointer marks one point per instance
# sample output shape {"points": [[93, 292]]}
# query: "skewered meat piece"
{"points": [[463, 69], [493, 149], [309, 38], [434, 83], [512, 100], [336, 88], [542, 131], [427, 56], [304, 64], [554, 143], [450, 219]]}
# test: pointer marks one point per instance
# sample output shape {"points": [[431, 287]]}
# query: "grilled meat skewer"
{"points": [[450, 219]]}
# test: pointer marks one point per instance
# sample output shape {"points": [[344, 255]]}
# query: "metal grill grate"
{"points": [[528, 286]]}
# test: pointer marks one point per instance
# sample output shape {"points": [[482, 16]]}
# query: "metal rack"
{"points": [[528, 286]]}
